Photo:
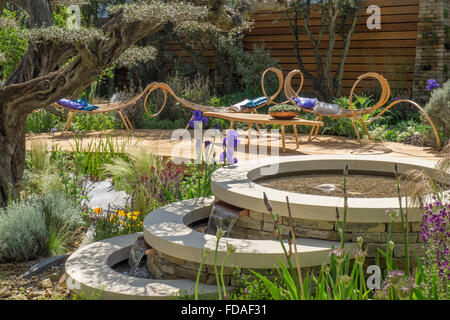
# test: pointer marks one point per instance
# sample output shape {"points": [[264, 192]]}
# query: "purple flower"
{"points": [[432, 84], [54, 130], [231, 139], [197, 117], [230, 143], [228, 158], [435, 233], [207, 143]]}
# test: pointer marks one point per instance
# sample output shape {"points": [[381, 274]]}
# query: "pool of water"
{"points": [[359, 185], [141, 271]]}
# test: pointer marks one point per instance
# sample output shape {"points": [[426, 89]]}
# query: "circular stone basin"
{"points": [[166, 230], [89, 272], [239, 185]]}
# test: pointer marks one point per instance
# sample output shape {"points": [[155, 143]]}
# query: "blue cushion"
{"points": [[256, 102], [79, 104], [327, 108], [86, 105], [307, 103], [70, 104]]}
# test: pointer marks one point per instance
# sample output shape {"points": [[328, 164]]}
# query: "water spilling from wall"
{"points": [[222, 217], [137, 252]]}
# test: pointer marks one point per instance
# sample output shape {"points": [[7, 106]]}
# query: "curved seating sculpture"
{"points": [[355, 115], [109, 107], [167, 90]]}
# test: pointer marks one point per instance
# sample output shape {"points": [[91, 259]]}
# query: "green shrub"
{"points": [[195, 90], [147, 122], [250, 66], [438, 108], [42, 121], [37, 226], [60, 212], [23, 233], [96, 122]]}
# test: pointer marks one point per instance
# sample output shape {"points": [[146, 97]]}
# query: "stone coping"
{"points": [[234, 185], [88, 272], [166, 230]]}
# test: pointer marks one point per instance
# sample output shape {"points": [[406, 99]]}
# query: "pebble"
{"points": [[34, 294], [5, 292], [46, 283], [54, 277]]}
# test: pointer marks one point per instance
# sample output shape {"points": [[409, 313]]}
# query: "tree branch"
{"points": [[333, 13], [337, 83], [295, 32]]}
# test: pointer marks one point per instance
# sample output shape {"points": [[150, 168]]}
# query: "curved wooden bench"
{"points": [[356, 114]]}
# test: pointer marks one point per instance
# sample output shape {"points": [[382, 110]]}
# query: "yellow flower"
{"points": [[134, 218], [98, 210], [121, 222], [121, 213], [129, 215], [136, 213]]}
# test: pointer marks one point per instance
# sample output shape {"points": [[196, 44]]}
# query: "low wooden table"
{"points": [[265, 119]]}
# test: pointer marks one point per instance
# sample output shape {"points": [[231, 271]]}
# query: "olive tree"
{"points": [[60, 62]]}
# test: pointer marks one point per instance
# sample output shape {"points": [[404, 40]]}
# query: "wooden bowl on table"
{"points": [[284, 111], [283, 115]]}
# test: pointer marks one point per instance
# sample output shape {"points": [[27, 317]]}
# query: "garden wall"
{"points": [[390, 51]]}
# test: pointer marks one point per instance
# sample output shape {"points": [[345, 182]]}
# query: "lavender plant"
{"points": [[435, 234]]}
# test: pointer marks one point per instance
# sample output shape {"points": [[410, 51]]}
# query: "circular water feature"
{"points": [[243, 185], [325, 183]]}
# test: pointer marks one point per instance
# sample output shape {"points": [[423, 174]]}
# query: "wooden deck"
{"points": [[160, 142]]}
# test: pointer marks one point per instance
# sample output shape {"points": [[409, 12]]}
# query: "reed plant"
{"points": [[90, 157]]}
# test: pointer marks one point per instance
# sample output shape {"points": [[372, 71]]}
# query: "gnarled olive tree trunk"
{"points": [[39, 81]]}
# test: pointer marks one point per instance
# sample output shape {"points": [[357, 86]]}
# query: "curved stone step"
{"points": [[89, 273], [166, 230]]}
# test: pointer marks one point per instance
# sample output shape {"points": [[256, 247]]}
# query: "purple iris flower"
{"points": [[198, 117], [231, 139], [228, 157], [230, 143], [432, 84], [54, 130]]}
